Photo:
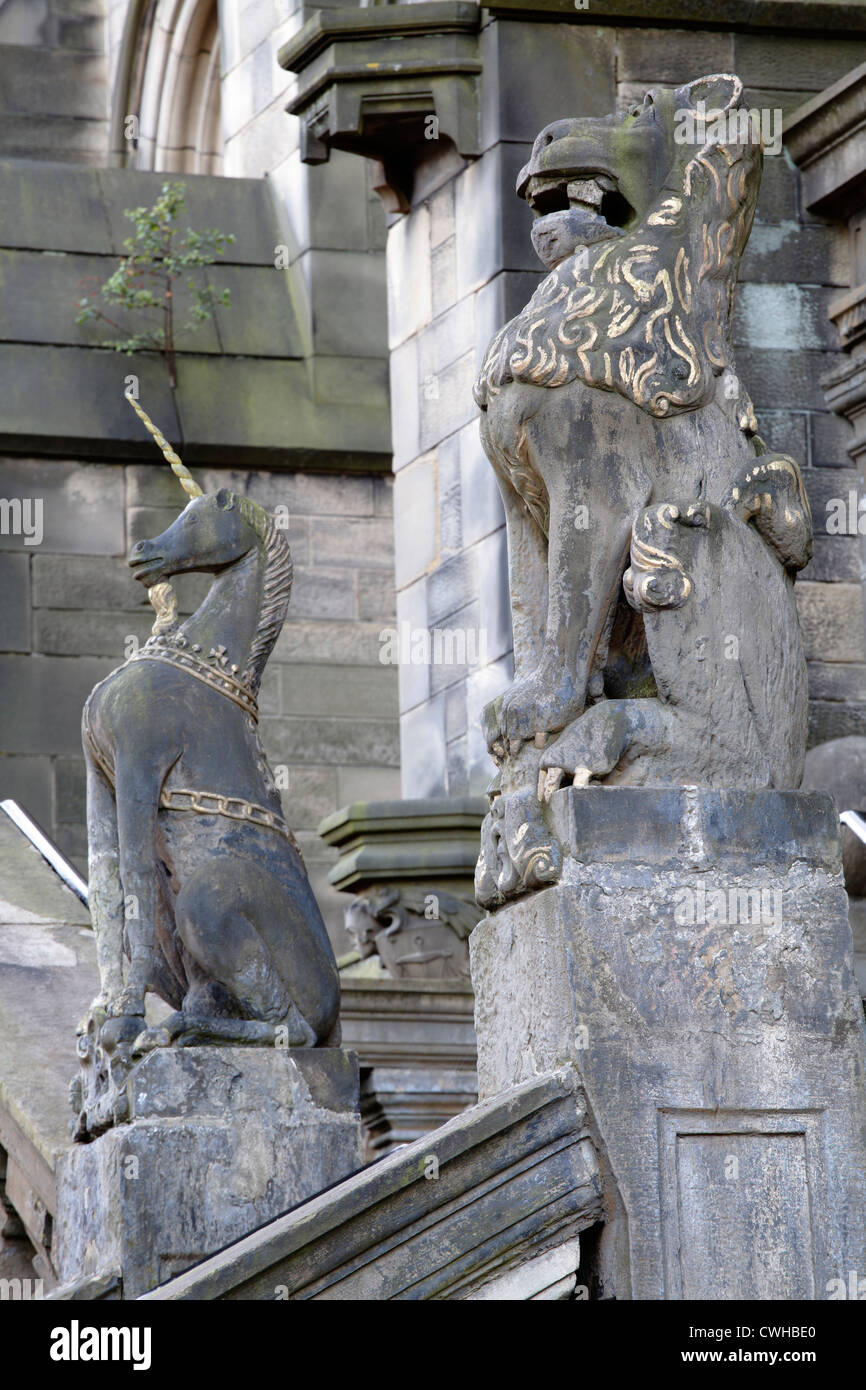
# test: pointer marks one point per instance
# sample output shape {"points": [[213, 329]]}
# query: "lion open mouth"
{"points": [[574, 209], [595, 195]]}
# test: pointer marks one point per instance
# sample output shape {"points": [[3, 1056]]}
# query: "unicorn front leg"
{"points": [[104, 890], [137, 790]]}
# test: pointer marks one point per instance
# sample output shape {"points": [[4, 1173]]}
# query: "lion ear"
{"points": [[719, 92]]}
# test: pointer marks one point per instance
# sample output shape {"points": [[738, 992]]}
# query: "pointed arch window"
{"points": [[169, 80]]}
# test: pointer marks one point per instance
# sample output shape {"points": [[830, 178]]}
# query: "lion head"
{"points": [[642, 228]]}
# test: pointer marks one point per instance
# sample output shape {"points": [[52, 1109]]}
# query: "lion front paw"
{"points": [[591, 747], [537, 705]]}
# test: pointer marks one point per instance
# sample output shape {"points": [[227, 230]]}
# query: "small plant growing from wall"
{"points": [[143, 285]]}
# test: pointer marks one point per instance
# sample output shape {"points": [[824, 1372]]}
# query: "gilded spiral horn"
{"points": [[181, 472]]}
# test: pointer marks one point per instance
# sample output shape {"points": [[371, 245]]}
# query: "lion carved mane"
{"points": [[617, 318]]}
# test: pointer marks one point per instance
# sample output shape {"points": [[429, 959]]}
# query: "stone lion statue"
{"points": [[653, 537]]}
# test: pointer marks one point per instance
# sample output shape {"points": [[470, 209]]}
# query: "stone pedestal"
{"points": [[219, 1141], [694, 965]]}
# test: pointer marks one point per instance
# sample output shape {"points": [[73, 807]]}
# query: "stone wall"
{"points": [[333, 223], [460, 263], [53, 80]]}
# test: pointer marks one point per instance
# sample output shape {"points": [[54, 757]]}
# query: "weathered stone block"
{"points": [[332, 644], [423, 761], [86, 581], [516, 1179], [42, 698], [831, 619], [413, 617], [837, 681], [573, 59], [786, 432], [375, 596], [788, 251], [70, 632], [338, 279], [410, 303], [780, 380], [241, 206], [405, 392], [783, 317], [664, 55], [53, 138], [257, 321], [704, 991], [28, 780], [15, 608], [323, 594], [415, 537], [345, 540], [330, 741], [70, 789], [75, 508], [366, 692], [480, 498], [831, 438], [219, 1141], [483, 251], [834, 719], [73, 85], [808, 66], [835, 559], [60, 207]]}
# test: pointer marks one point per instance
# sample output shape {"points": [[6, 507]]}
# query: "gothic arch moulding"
{"points": [[168, 79]]}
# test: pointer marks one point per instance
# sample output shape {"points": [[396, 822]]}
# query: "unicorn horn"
{"points": [[185, 478]]}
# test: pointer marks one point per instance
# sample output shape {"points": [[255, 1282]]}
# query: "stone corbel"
{"points": [[385, 82]]}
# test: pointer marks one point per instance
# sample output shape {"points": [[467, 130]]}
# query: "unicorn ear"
{"points": [[225, 499]]}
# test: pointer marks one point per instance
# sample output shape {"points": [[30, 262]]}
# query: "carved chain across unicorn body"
{"points": [[207, 803]]}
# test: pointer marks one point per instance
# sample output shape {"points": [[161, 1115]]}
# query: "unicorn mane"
{"points": [[276, 589]]}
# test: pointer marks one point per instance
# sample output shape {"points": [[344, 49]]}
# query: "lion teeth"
{"points": [[587, 192]]}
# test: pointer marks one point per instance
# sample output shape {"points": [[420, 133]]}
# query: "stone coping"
{"points": [[697, 826], [821, 16]]}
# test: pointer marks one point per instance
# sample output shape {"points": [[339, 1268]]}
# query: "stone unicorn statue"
{"points": [[197, 886]]}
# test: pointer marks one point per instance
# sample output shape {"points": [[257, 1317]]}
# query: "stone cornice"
{"points": [[826, 138], [839, 17], [429, 841], [380, 22]]}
